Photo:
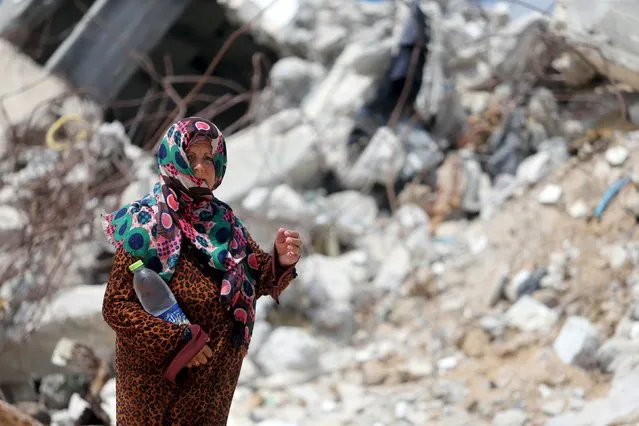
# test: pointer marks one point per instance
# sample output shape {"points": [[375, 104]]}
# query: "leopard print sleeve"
{"points": [[155, 339], [274, 278]]}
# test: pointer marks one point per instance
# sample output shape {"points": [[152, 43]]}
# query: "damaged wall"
{"points": [[101, 48], [191, 43]]}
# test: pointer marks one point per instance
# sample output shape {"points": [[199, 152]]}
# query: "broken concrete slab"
{"points": [[62, 317], [578, 342], [343, 90], [604, 32], [527, 314], [281, 148]]}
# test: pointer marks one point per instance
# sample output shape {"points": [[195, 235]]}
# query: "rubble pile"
{"points": [[464, 182]]}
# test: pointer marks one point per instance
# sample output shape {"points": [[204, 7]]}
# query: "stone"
{"points": [[472, 182], [329, 40], [288, 349], [447, 363], [417, 368], [577, 343], [616, 255], [512, 290], [381, 160], [343, 90], [293, 78], [511, 417], [527, 314], [272, 22], [354, 214], [336, 320], [517, 46], [557, 149], [572, 129], [410, 226], [493, 325], [280, 146], [12, 219], [325, 279], [551, 194], [554, 407], [281, 204], [505, 186], [394, 270], [578, 209], [617, 155], [534, 168], [373, 60], [498, 276], [422, 152], [525, 282], [543, 109]]}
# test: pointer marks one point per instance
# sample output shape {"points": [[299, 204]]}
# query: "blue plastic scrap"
{"points": [[610, 195]]}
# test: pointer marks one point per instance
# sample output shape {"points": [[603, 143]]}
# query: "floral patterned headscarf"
{"points": [[183, 206]]}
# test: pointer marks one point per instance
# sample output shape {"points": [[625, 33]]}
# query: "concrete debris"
{"points": [[463, 180], [585, 26], [616, 156], [578, 342], [551, 194], [527, 314]]}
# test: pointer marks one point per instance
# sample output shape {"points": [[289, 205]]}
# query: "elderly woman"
{"points": [[186, 374]]}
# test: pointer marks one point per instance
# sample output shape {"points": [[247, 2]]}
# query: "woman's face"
{"points": [[200, 158]]}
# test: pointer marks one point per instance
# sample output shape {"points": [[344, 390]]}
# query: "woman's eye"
{"points": [[209, 159]]}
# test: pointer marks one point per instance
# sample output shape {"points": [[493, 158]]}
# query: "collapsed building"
{"points": [[411, 144]]}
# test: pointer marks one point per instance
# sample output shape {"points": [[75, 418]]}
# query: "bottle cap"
{"points": [[135, 266]]}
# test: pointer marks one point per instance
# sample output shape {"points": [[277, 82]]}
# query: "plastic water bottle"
{"points": [[155, 295]]}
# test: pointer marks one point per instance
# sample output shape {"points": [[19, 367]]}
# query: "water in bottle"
{"points": [[155, 295]]}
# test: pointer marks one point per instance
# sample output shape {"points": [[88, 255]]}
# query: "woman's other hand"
{"points": [[201, 358], [288, 246]]}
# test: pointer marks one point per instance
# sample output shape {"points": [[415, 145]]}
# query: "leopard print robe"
{"points": [[146, 345]]}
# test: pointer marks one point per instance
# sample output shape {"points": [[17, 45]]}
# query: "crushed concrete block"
{"points": [[578, 342], [530, 315]]}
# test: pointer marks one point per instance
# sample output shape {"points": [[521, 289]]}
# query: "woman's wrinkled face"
{"points": [[200, 158]]}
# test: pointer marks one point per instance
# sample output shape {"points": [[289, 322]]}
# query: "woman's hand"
{"points": [[288, 246], [201, 358]]}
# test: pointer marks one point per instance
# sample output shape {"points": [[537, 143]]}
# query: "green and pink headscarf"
{"points": [[183, 206]]}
